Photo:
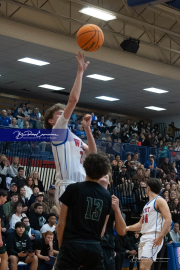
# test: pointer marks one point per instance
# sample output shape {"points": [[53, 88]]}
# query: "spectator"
{"points": [[44, 249], [135, 159], [94, 117], [9, 114], [24, 109], [37, 181], [151, 164], [162, 150], [4, 119], [127, 162], [13, 123], [19, 179], [135, 240], [174, 167], [13, 189], [23, 199], [35, 116], [7, 207], [15, 216], [29, 186], [139, 177], [123, 175], [132, 171], [173, 195], [33, 234], [37, 218], [80, 132], [109, 122], [18, 243], [145, 141], [175, 233], [26, 124], [20, 117], [165, 166], [49, 198], [33, 196], [39, 200], [134, 127], [114, 135], [51, 224], [172, 176], [116, 160], [171, 129], [14, 166], [124, 137], [124, 248]]}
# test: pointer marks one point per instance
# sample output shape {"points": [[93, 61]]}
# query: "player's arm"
{"points": [[162, 206], [135, 227], [76, 90], [61, 223], [91, 147], [104, 227], [120, 224]]}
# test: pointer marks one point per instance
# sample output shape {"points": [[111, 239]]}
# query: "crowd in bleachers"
{"points": [[31, 210], [29, 217]]}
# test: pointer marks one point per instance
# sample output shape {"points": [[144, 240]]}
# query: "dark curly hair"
{"points": [[97, 165], [155, 185]]}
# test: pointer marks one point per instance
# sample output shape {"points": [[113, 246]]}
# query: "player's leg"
{"points": [[4, 261], [58, 192], [145, 264], [109, 259]]}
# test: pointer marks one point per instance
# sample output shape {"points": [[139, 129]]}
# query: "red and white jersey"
{"points": [[152, 219], [69, 154]]}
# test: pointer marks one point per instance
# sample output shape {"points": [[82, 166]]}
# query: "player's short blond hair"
{"points": [[49, 114]]}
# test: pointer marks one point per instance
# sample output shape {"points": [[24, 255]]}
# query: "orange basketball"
{"points": [[90, 37]]}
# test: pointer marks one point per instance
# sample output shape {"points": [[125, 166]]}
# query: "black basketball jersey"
{"points": [[88, 205], [108, 240]]}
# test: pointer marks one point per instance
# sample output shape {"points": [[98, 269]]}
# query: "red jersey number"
{"points": [[145, 218]]}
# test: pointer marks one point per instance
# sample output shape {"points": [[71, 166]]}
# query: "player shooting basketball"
{"points": [[70, 153]]}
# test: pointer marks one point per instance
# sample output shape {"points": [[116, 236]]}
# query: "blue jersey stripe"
{"points": [[59, 163]]}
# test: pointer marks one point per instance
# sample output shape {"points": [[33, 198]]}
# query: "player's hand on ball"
{"points": [[82, 65], [157, 241], [115, 203], [87, 120]]}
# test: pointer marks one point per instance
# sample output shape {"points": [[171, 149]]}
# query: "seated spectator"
{"points": [[33, 234], [14, 166], [49, 198], [7, 207], [29, 186], [134, 128], [37, 218], [4, 119], [144, 140], [108, 122], [80, 132], [15, 216], [33, 196], [175, 233], [174, 167], [55, 211], [172, 176], [173, 186], [9, 114], [163, 150], [51, 224], [19, 179], [35, 116], [13, 189], [23, 199], [37, 181], [171, 129], [135, 159], [123, 175], [18, 244], [116, 160], [94, 117], [114, 135], [4, 169], [24, 109], [20, 117], [139, 176], [132, 171], [13, 123], [172, 196], [151, 164], [105, 135], [39, 200], [135, 240], [165, 166], [167, 186], [44, 249], [124, 137], [127, 162], [124, 248], [26, 124]]}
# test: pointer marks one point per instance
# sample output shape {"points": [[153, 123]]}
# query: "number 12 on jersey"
{"points": [[145, 218]]}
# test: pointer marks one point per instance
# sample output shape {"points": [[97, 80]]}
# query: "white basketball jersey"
{"points": [[69, 154], [152, 219]]}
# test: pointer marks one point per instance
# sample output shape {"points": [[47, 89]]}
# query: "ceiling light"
{"points": [[33, 61], [100, 77], [155, 108], [155, 90], [108, 98], [97, 13], [52, 87]]}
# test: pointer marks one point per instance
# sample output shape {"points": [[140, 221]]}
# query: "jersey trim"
{"points": [[59, 163], [151, 200], [155, 207], [54, 144], [65, 159]]}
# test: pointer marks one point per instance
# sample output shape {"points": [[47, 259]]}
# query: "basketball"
{"points": [[90, 37]]}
